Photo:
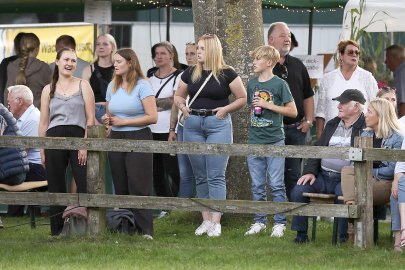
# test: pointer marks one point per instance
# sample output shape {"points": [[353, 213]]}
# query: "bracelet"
{"points": [[309, 123], [172, 129]]}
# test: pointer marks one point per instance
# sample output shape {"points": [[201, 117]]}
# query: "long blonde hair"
{"points": [[214, 59], [387, 118], [134, 74]]}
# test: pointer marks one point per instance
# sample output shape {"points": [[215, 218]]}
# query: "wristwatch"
{"points": [[172, 129]]}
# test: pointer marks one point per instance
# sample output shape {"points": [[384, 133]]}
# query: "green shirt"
{"points": [[268, 128]]}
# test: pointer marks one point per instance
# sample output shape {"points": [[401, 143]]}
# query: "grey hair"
{"points": [[23, 91], [353, 103], [272, 26]]}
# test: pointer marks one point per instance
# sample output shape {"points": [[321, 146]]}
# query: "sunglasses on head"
{"points": [[353, 52]]}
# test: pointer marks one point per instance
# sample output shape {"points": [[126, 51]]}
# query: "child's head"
{"points": [[266, 52]]}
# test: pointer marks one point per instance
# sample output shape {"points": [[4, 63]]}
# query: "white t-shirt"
{"points": [[163, 123], [333, 84]]}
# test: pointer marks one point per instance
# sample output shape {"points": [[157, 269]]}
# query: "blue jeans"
{"points": [[100, 111], [187, 181], [292, 172], [209, 170], [395, 218], [326, 182], [260, 168]]}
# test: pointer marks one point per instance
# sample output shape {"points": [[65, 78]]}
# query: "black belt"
{"points": [[202, 112], [293, 125]]}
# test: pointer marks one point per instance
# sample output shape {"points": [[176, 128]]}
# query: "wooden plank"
{"points": [[96, 161], [225, 206], [319, 195], [176, 147], [383, 154], [364, 228]]}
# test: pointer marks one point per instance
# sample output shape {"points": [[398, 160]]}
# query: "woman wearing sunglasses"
{"points": [[347, 76]]}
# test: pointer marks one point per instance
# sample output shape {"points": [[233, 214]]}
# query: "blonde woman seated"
{"points": [[383, 125]]}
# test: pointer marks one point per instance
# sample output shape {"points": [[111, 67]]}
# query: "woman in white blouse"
{"points": [[347, 76]]}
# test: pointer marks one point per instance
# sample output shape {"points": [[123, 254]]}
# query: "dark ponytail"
{"points": [[55, 75]]}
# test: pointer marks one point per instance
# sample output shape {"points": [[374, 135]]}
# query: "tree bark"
{"points": [[239, 26]]}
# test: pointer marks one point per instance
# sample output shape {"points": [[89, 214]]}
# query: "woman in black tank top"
{"points": [[99, 74]]}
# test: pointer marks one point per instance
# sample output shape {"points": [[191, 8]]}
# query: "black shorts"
{"points": [[36, 173]]}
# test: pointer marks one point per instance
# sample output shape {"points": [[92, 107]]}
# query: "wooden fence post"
{"points": [[364, 197], [96, 161]]}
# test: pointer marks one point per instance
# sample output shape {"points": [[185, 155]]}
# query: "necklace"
{"points": [[162, 77], [63, 89]]}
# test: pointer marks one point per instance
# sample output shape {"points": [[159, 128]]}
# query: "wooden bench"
{"points": [[26, 186], [321, 198]]}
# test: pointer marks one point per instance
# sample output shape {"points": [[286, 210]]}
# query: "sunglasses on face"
{"points": [[353, 52]]}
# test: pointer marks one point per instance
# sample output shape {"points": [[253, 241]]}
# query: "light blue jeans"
{"points": [[261, 169], [187, 181], [395, 218], [209, 170]]}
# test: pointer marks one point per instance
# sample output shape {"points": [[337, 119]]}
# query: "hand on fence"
{"points": [[306, 178], [172, 137], [82, 157]]}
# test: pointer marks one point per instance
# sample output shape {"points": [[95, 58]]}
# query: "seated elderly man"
{"points": [[20, 103], [323, 175]]}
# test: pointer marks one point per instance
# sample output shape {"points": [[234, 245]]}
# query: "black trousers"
{"points": [[56, 163], [166, 176], [132, 175]]}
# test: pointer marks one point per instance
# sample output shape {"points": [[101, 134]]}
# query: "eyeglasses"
{"points": [[284, 72], [353, 52]]}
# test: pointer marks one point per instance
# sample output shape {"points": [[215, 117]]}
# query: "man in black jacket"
{"points": [[323, 175]]}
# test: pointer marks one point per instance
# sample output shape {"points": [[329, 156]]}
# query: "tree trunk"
{"points": [[239, 26]]}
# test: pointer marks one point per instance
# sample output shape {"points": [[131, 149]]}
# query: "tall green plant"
{"points": [[372, 44]]}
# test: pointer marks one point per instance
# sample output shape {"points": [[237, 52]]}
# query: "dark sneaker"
{"points": [[301, 239]]}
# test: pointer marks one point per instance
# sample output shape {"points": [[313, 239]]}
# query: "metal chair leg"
{"points": [[335, 231], [31, 208]]}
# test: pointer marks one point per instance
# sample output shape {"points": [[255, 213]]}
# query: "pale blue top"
{"points": [[128, 105], [29, 124]]}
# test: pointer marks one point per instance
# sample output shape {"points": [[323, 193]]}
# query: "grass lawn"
{"points": [[175, 247]]}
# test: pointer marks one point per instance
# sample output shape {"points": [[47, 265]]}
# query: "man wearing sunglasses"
{"points": [[395, 61], [293, 71]]}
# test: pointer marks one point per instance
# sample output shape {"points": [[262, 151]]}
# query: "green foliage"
{"points": [[372, 44], [176, 247]]}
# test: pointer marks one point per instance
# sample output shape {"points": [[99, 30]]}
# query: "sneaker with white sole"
{"points": [[278, 230], [203, 228], [256, 228], [214, 230]]}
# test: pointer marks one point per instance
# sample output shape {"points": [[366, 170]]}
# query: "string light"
{"points": [[267, 4]]}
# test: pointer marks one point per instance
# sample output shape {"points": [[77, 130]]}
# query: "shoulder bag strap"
{"points": [[199, 90], [161, 88]]}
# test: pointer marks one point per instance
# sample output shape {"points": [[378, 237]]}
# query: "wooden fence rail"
{"points": [[362, 155]]}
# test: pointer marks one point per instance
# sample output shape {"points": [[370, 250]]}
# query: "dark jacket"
{"points": [[313, 165], [13, 161]]}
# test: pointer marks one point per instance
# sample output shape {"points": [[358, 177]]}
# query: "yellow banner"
{"points": [[83, 34]]}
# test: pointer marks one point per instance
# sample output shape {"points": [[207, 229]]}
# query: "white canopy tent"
{"points": [[379, 15]]}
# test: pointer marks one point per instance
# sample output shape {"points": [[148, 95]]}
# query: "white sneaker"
{"points": [[256, 228], [214, 230], [203, 228], [162, 214], [278, 230], [147, 236]]}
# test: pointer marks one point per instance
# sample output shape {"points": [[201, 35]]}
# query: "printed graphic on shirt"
{"points": [[255, 119]]}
